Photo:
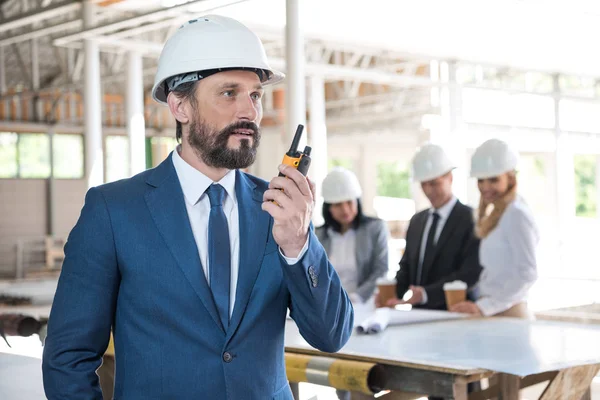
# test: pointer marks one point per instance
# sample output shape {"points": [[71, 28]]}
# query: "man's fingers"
{"points": [[313, 187], [300, 180], [394, 302], [288, 186], [273, 209], [278, 196], [460, 307]]}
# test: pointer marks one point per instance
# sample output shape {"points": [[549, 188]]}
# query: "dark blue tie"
{"points": [[219, 257], [429, 247]]}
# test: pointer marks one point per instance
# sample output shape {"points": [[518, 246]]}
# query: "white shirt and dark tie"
{"points": [[194, 185], [441, 214]]}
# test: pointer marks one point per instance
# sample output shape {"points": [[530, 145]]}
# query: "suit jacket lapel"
{"points": [[449, 227], [167, 206], [254, 231]]}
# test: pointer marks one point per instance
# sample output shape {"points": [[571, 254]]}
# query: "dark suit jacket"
{"points": [[132, 263], [456, 256]]}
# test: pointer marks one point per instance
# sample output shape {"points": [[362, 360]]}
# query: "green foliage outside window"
{"points": [[393, 181], [585, 186]]}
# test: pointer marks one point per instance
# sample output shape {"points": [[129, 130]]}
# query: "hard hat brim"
{"points": [[430, 177], [158, 91]]}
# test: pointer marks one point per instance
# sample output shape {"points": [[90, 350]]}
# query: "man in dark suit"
{"points": [[440, 242]]}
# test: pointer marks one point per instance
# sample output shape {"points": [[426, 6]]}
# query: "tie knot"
{"points": [[436, 216], [216, 195]]}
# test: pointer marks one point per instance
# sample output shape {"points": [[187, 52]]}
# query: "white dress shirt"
{"points": [[194, 184], [444, 212], [508, 257], [343, 257]]}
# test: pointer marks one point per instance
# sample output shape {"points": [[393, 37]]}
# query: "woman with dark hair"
{"points": [[355, 244]]}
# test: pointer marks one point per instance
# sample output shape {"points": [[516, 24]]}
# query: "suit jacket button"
{"points": [[227, 357]]}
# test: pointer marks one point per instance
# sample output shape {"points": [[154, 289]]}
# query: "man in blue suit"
{"points": [[194, 264]]}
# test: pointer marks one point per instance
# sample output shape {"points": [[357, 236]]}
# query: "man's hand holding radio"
{"points": [[290, 201]]}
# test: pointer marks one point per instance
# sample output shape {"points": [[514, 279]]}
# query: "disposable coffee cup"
{"points": [[455, 292], [387, 290]]}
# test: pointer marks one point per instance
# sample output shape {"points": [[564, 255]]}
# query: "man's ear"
{"points": [[177, 107]]}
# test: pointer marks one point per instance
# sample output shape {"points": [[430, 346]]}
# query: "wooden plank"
{"points": [[508, 387], [459, 391], [587, 395], [425, 367], [474, 377], [432, 383], [571, 383], [538, 378]]}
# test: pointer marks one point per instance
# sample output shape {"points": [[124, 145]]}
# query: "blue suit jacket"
{"points": [[132, 264]]}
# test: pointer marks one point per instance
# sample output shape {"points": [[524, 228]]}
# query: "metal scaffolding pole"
{"points": [[135, 114], [318, 138], [94, 155], [295, 60]]}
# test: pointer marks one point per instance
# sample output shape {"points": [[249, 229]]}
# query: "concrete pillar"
{"points": [[565, 172], [367, 175], [35, 65], [295, 60], [450, 134], [51, 187], [598, 186], [35, 81], [94, 155], [318, 139], [2, 72], [136, 129]]}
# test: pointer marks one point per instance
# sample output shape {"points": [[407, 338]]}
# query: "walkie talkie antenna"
{"points": [[296, 140]]}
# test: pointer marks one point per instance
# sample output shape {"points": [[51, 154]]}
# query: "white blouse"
{"points": [[343, 258], [508, 257]]}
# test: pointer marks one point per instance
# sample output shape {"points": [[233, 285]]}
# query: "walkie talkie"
{"points": [[295, 158]]}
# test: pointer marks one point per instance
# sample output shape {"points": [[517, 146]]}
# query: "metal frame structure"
{"points": [[41, 51]]}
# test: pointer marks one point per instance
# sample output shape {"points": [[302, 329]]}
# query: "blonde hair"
{"points": [[489, 214]]}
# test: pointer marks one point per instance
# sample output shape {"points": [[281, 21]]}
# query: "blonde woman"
{"points": [[508, 232]]}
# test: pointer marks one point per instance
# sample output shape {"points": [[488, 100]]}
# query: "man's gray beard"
{"points": [[212, 149]]}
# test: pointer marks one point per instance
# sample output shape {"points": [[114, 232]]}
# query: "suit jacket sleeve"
{"points": [[83, 307], [403, 274], [379, 260], [319, 305], [467, 272]]}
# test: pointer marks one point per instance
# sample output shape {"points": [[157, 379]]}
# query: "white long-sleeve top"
{"points": [[508, 257], [343, 257]]}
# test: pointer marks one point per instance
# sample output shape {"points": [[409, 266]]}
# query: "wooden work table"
{"points": [[440, 358], [434, 358]]}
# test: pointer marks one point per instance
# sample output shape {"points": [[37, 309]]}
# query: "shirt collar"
{"points": [[194, 183], [445, 210]]}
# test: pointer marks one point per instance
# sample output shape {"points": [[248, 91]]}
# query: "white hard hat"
{"points": [[493, 158], [211, 42], [340, 185], [430, 162]]}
